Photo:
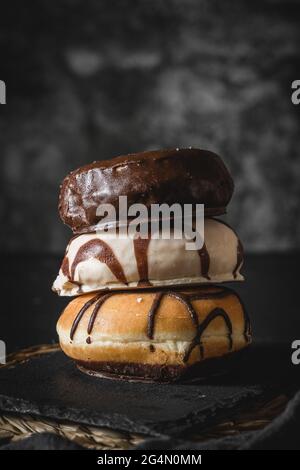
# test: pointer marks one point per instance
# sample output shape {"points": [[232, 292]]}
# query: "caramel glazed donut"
{"points": [[160, 335]]}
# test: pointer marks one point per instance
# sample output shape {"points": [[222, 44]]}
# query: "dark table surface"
{"points": [[30, 309]]}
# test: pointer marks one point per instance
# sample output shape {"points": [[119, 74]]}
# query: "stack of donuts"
{"points": [[148, 308]]}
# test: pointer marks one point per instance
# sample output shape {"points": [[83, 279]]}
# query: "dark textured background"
{"points": [[92, 79]]}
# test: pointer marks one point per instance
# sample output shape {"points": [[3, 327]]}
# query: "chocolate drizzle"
{"points": [[141, 255], [240, 249], [81, 313], [217, 312], [100, 250], [65, 267], [240, 257], [152, 312], [186, 299], [95, 311], [247, 328], [205, 261]]}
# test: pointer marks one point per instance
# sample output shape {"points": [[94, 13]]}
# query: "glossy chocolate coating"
{"points": [[184, 176]]}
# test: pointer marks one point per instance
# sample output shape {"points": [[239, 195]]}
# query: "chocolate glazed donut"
{"points": [[184, 176]]}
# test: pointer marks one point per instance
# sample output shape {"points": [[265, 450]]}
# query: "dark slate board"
{"points": [[51, 386]]}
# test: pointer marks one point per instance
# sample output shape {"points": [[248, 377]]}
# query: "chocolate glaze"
{"points": [[141, 255], [81, 313], [100, 250], [216, 312], [186, 299], [144, 284], [185, 176], [240, 248], [247, 328], [65, 267], [95, 311], [240, 257], [218, 294], [151, 315], [200, 328]]}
